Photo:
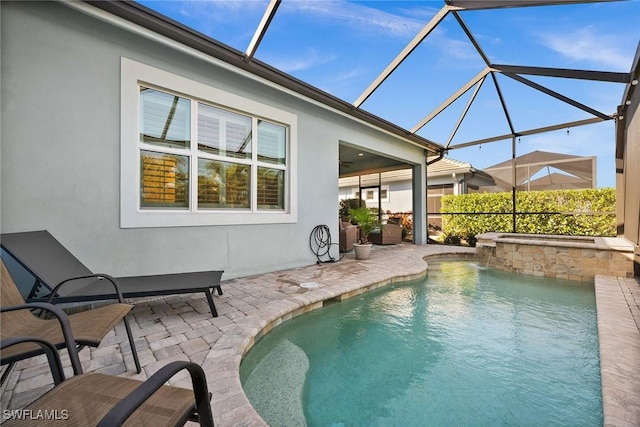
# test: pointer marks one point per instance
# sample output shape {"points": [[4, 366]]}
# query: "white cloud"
{"points": [[370, 22], [347, 75], [459, 49], [362, 18], [311, 58], [220, 11], [356, 15], [584, 44]]}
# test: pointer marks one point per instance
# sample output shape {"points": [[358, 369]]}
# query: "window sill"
{"points": [[144, 219]]}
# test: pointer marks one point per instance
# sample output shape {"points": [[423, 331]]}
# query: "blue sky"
{"points": [[342, 46]]}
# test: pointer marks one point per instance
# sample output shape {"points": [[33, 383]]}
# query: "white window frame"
{"points": [[384, 188], [134, 75]]}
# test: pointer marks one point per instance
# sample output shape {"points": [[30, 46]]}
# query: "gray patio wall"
{"points": [[627, 157], [60, 152]]}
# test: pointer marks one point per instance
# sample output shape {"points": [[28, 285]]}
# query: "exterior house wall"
{"points": [[400, 197], [630, 193], [627, 156], [627, 194], [60, 153]]}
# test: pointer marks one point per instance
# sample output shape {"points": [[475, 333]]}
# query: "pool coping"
{"points": [[584, 242], [618, 312], [557, 256]]}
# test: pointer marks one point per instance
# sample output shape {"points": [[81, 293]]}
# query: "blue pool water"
{"points": [[465, 346]]}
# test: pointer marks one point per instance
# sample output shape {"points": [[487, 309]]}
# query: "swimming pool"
{"points": [[465, 346]]}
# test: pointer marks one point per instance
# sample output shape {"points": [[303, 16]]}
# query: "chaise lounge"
{"points": [[53, 266]]}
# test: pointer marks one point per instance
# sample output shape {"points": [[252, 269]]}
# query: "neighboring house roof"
{"points": [[577, 171], [445, 169], [447, 166], [442, 170]]}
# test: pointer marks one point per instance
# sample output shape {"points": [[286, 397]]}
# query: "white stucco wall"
{"points": [[60, 152]]}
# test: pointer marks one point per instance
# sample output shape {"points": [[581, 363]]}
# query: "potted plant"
{"points": [[367, 220]]}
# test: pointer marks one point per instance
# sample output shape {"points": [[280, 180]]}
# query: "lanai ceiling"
{"points": [[484, 81]]}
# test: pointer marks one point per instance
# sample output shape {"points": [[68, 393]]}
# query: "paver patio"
{"points": [[181, 328]]}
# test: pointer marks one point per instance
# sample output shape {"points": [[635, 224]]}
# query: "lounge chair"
{"points": [[88, 327], [103, 400], [53, 265]]}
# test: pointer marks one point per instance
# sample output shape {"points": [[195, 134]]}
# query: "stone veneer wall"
{"points": [[563, 257]]}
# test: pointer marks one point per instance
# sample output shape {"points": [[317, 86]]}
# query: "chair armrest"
{"points": [[110, 279], [127, 406], [49, 349], [63, 319]]}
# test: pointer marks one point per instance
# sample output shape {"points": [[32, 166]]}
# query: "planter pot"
{"points": [[362, 251]]}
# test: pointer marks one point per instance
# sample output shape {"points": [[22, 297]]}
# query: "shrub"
{"points": [[346, 205], [565, 212], [451, 239]]}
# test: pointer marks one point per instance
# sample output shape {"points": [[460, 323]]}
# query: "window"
{"points": [[384, 193], [201, 156], [434, 194], [224, 153]]}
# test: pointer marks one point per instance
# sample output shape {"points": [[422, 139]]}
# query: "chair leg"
{"points": [[6, 373], [134, 352], [219, 289], [214, 312]]}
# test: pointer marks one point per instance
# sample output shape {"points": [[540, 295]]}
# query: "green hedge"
{"points": [[576, 219]]}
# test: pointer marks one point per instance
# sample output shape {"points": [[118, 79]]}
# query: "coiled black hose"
{"points": [[320, 244]]}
